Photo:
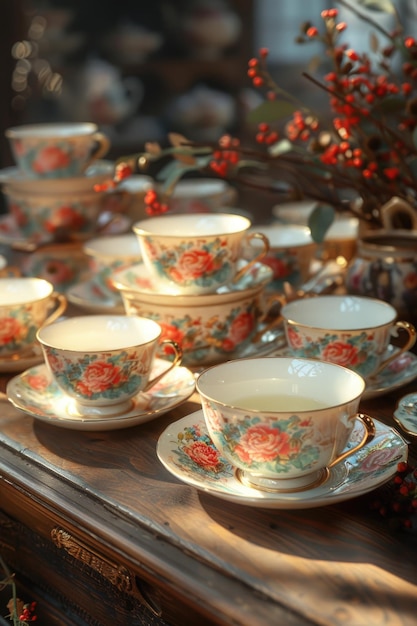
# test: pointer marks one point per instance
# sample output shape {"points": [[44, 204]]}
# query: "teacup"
{"points": [[56, 214], [201, 195], [296, 212], [352, 331], [196, 254], [56, 150], [341, 239], [103, 361], [208, 327], [108, 254], [282, 422], [291, 253], [26, 304]]}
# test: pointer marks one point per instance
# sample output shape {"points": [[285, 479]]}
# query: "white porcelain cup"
{"points": [[108, 254], [282, 422], [208, 327], [26, 304], [202, 195], [103, 361], [351, 331], [196, 254], [56, 150], [290, 256]]}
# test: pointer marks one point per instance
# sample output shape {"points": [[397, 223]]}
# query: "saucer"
{"points": [[87, 295], [138, 278], [398, 373], [19, 364], [34, 393], [406, 414], [187, 452]]}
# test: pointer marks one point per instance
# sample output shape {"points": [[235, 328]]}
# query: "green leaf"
{"points": [[271, 111], [320, 221]]}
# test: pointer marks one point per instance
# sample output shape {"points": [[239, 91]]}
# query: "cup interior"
{"points": [[339, 312], [180, 226], [280, 384], [51, 130], [99, 333], [113, 247], [19, 290]]}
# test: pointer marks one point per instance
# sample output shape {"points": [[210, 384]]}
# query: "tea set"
{"points": [[188, 304]]}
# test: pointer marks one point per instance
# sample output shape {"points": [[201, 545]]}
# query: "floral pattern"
{"points": [[205, 264], [17, 330], [197, 453], [111, 376], [203, 339], [356, 351], [57, 160], [75, 216], [278, 446]]}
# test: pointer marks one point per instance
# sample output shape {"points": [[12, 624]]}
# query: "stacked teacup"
{"points": [[195, 281], [50, 194]]}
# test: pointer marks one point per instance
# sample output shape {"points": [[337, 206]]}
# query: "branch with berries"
{"points": [[20, 613], [399, 504], [366, 146]]}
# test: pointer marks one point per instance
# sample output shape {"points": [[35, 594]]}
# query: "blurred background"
{"points": [[141, 69]]}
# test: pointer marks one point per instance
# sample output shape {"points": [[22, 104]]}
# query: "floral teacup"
{"points": [[209, 327], [25, 305], [56, 150], [352, 331], [103, 361], [282, 422], [196, 254]]}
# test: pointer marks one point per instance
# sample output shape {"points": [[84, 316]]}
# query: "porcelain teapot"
{"points": [[385, 265], [101, 94]]}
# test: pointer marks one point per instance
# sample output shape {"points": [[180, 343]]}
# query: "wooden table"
{"points": [[100, 533]]}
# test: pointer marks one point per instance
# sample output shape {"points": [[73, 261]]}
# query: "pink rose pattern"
{"points": [[17, 331], [194, 453], [103, 376], [203, 339], [276, 445], [355, 351], [201, 263], [53, 160]]}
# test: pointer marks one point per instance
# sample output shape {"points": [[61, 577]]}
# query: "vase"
{"points": [[385, 264]]}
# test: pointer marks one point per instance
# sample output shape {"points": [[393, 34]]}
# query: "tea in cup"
{"points": [[282, 422], [26, 304], [352, 331], [196, 254], [108, 254], [103, 361], [56, 150]]}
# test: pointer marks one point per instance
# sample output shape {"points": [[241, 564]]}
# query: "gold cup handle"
{"points": [[103, 146], [177, 360], [368, 435], [61, 303], [412, 336], [261, 255]]}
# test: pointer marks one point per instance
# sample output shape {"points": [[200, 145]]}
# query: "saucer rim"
{"points": [[96, 305], [275, 501], [96, 423], [189, 298], [399, 412]]}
